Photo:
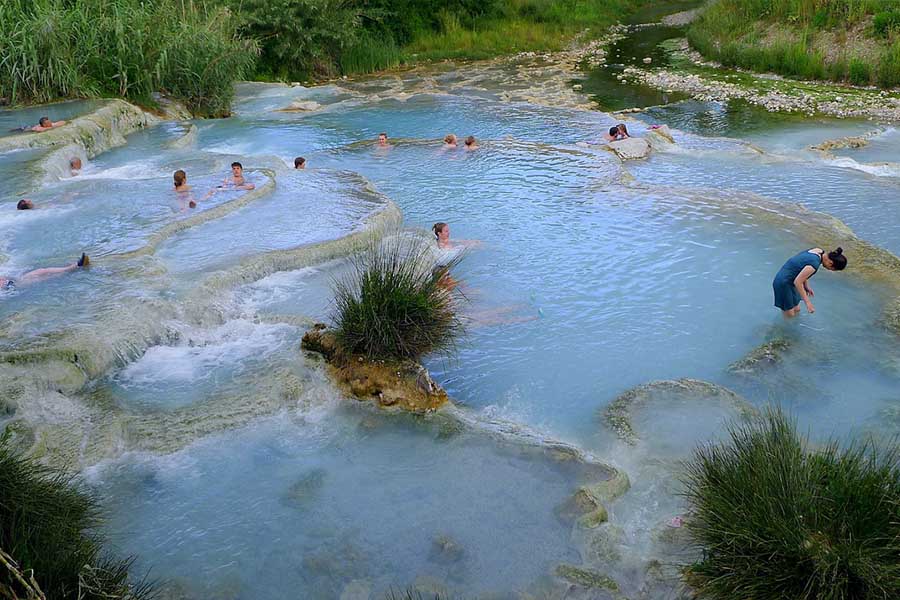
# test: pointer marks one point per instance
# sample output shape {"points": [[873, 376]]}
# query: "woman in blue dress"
{"points": [[791, 284]]}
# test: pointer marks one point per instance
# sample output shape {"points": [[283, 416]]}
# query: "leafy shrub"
{"points": [[859, 72], [777, 520], [395, 303], [886, 22], [889, 66], [47, 526]]}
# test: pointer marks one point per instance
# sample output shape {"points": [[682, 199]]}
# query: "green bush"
{"points": [[53, 49], [885, 23], [889, 66], [48, 526], [859, 72], [395, 304], [777, 519]]}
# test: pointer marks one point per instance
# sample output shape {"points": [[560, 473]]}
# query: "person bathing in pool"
{"points": [[442, 235], [237, 181], [8, 283], [183, 189], [45, 124], [791, 283]]}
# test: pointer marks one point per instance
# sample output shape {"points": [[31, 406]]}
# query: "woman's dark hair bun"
{"points": [[839, 251]]}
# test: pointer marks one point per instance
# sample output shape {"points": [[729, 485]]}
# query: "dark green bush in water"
{"points": [[778, 520], [53, 49], [47, 525], [395, 304]]}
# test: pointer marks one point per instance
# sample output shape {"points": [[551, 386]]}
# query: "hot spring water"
{"points": [[591, 277]]}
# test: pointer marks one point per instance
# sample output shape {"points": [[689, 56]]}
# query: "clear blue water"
{"points": [[591, 276]]}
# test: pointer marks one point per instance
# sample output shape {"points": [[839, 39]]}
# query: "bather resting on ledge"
{"points": [[45, 124], [7, 283]]}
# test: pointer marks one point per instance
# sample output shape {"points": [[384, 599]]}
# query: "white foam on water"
{"points": [[205, 351], [886, 169]]}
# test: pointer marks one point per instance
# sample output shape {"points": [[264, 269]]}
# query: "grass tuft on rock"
{"points": [[778, 519], [48, 527], [396, 304]]}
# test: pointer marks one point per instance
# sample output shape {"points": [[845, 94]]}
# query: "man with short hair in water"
{"points": [[471, 144], [791, 283], [75, 165], [25, 204], [45, 124], [7, 283], [383, 140], [237, 180], [299, 163]]}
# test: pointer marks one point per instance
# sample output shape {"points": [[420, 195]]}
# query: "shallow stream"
{"points": [[233, 469]]}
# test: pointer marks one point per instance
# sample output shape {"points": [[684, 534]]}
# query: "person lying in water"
{"points": [[75, 166], [45, 124], [791, 283], [299, 163], [623, 132], [237, 181], [450, 142], [471, 144], [25, 204], [8, 283]]}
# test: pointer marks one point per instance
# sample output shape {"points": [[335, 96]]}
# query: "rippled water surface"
{"points": [[587, 277]]}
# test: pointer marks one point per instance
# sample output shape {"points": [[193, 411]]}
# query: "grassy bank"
{"points": [[853, 41], [195, 50], [51, 49], [327, 38], [517, 26], [48, 540]]}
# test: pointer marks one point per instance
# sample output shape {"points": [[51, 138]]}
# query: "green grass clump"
{"points": [[395, 304], [51, 49], [48, 525], [787, 37], [779, 520]]}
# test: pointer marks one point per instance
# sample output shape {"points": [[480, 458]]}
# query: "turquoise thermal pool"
{"points": [[231, 467]]}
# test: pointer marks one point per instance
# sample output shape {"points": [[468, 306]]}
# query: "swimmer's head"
{"points": [[45, 122], [382, 139], [75, 163], [470, 141], [450, 139], [237, 169], [441, 231], [835, 260], [613, 131], [25, 204], [299, 163], [622, 129], [180, 177]]}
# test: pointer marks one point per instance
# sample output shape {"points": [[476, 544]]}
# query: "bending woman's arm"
{"points": [[800, 284]]}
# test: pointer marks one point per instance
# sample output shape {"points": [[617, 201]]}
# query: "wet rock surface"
{"points": [[631, 148], [403, 384], [761, 358]]}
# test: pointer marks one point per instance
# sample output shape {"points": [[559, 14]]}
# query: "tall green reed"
{"points": [[53, 49]]}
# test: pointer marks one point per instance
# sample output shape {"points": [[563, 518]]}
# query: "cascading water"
{"points": [[171, 372]]}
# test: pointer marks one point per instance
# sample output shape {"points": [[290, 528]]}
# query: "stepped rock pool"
{"points": [[231, 467]]}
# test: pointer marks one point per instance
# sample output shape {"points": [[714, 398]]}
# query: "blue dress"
{"points": [[786, 295]]}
